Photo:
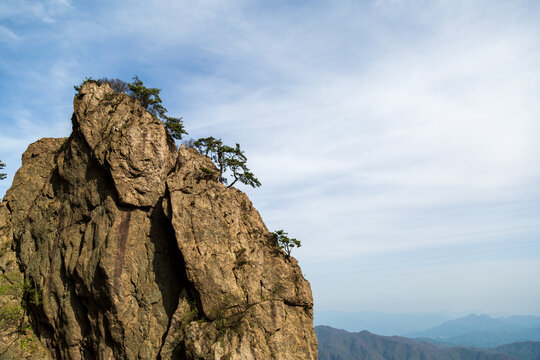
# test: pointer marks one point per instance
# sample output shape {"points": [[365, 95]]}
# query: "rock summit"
{"points": [[136, 251]]}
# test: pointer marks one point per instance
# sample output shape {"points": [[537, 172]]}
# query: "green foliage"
{"points": [[31, 294], [285, 242], [28, 344], [227, 158], [192, 314], [207, 173], [11, 315], [2, 175], [149, 99], [175, 126], [228, 316], [86, 80], [13, 286], [16, 295], [117, 85]]}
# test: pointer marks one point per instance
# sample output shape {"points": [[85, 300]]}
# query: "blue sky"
{"points": [[398, 140]]}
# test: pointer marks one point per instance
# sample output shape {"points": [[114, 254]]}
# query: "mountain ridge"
{"points": [[337, 344], [482, 331]]}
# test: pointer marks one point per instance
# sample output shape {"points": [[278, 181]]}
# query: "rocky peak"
{"points": [[126, 140], [137, 252]]}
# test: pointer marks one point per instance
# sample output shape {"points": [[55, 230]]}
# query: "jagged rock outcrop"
{"points": [[137, 253]]}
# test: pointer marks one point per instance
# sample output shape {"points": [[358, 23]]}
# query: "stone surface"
{"points": [[17, 340], [132, 145], [137, 252]]}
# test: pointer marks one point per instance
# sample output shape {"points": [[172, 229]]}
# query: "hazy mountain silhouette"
{"points": [[482, 331], [335, 344]]}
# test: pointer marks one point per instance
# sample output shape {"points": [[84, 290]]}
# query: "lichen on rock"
{"points": [[137, 252]]}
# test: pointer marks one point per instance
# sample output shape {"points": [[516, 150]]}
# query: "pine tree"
{"points": [[285, 242], [2, 175], [227, 158], [149, 99]]}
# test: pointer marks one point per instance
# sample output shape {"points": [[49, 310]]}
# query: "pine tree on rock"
{"points": [[149, 99], [227, 158], [285, 242], [2, 175]]}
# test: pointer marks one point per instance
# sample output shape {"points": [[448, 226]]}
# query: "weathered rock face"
{"points": [[17, 340], [137, 253]]}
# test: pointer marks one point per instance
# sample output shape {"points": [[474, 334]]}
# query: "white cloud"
{"points": [[7, 35], [21, 10], [381, 127]]}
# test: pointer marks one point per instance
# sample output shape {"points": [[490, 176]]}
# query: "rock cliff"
{"points": [[129, 250]]}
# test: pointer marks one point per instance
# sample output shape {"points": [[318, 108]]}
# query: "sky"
{"points": [[398, 140]]}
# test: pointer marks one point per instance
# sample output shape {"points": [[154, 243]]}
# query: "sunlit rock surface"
{"points": [[137, 253]]}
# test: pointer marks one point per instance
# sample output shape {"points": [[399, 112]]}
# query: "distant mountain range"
{"points": [[482, 331], [335, 344]]}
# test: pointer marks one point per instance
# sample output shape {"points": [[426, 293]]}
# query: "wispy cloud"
{"points": [[7, 35], [380, 129], [46, 11]]}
